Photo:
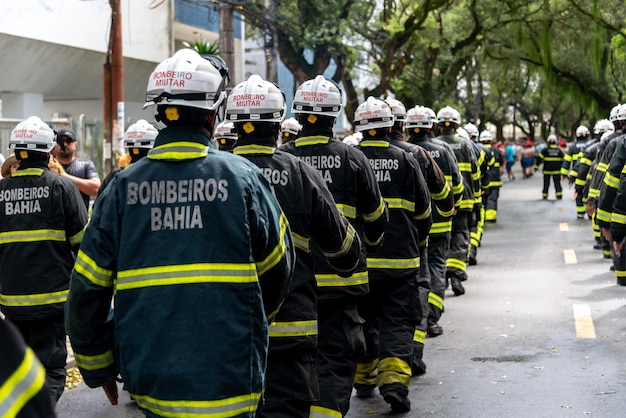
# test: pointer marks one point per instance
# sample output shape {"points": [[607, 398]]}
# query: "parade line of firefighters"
{"points": [[268, 281]]}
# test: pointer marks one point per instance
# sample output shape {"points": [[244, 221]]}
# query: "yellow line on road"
{"points": [[563, 226], [570, 257], [584, 322]]}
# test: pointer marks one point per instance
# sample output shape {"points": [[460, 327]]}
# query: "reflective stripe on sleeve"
{"points": [[293, 329], [278, 252], [301, 242], [345, 245], [371, 217], [328, 280], [88, 268], [100, 361], [35, 299], [393, 263], [22, 385], [347, 210]]}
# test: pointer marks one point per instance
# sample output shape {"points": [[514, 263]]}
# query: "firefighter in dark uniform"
{"points": [[570, 164], [291, 379], [490, 198], [22, 378], [392, 308], [289, 130], [485, 160], [596, 177], [138, 140], [419, 125], [41, 227], [351, 181], [602, 129], [608, 191], [448, 120], [442, 201], [552, 158], [225, 135], [199, 255]]}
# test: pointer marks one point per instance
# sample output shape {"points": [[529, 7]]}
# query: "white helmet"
{"points": [[33, 134], [614, 111], [291, 126], [486, 136], [398, 109], [418, 117], [551, 139], [602, 126], [140, 134], [472, 131], [582, 131], [432, 114], [225, 130], [255, 100], [621, 113], [188, 79], [463, 133], [318, 96], [373, 114], [448, 114]]}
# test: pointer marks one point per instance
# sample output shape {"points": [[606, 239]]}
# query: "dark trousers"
{"points": [[340, 344], [458, 253], [423, 291], [556, 179], [291, 385], [46, 337], [438, 245], [391, 311]]}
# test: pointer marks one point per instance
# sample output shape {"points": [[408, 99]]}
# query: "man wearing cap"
{"points": [[80, 171]]}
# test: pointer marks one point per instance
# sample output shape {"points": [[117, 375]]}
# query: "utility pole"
{"points": [[113, 88], [269, 38], [227, 37]]}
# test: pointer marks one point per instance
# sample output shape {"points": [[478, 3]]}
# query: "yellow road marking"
{"points": [[570, 257], [584, 322], [563, 227]]}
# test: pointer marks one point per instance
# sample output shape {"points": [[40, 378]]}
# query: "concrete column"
{"points": [[22, 105]]}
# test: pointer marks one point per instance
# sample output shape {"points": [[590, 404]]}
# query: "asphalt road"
{"points": [[540, 331]]}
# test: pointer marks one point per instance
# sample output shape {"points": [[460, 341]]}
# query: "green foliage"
{"points": [[203, 47]]}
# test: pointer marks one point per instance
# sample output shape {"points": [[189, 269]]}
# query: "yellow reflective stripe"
{"points": [[278, 252], [491, 214], [345, 245], [495, 183], [34, 299], [586, 161], [476, 175], [443, 194], [458, 188], [435, 300], [465, 203], [293, 329], [602, 167], [311, 140], [424, 215], [445, 214], [178, 151], [624, 169], [604, 216], [611, 181], [347, 210], [465, 167], [374, 143], [327, 280], [228, 407], [547, 159], [441, 227], [253, 149], [619, 273], [371, 217], [321, 412], [22, 385], [186, 274], [399, 203], [393, 370], [393, 263], [35, 235], [580, 182], [77, 238], [88, 268], [373, 243], [301, 242], [456, 263], [618, 218], [99, 361], [419, 336], [366, 373], [28, 172], [564, 171]]}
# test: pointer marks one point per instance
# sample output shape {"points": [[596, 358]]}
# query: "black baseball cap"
{"points": [[67, 132]]}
